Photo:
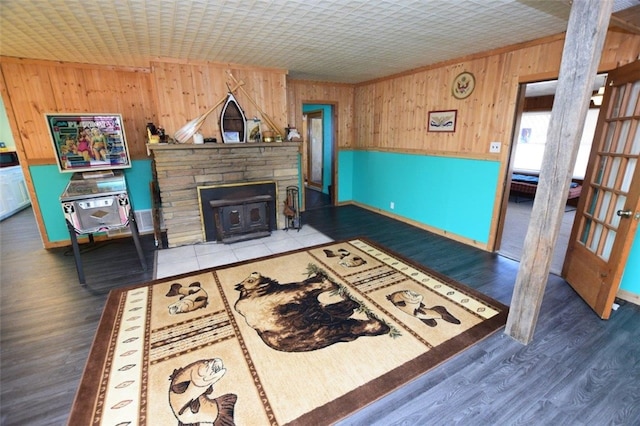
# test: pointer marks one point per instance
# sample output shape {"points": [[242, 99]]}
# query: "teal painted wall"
{"points": [[631, 277], [454, 195], [345, 176], [327, 113], [49, 184], [451, 194]]}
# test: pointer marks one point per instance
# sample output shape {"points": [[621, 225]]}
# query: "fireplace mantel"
{"points": [[183, 146], [181, 168]]}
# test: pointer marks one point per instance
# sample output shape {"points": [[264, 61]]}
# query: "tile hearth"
{"points": [[179, 260]]}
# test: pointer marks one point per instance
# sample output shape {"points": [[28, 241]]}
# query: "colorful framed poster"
{"points": [[84, 142]]}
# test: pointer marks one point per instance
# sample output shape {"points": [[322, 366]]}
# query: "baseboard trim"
{"points": [[629, 297], [417, 224]]}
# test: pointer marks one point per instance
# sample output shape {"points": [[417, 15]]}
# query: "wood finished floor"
{"points": [[515, 229], [579, 370]]}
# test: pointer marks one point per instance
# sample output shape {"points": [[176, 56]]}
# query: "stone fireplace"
{"points": [[181, 169]]}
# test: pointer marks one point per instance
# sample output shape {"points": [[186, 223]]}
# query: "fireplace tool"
{"points": [[292, 209]]}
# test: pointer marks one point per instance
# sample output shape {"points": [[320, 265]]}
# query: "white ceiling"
{"points": [[346, 41]]}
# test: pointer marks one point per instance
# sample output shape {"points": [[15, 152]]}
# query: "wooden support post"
{"points": [[584, 40]]}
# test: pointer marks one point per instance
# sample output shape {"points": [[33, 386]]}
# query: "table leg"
{"points": [[76, 253], [136, 239]]}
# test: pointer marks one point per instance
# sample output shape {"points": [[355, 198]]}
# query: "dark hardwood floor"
{"points": [[315, 199], [47, 320], [579, 370]]}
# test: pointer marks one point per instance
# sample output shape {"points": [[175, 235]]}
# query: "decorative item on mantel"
{"points": [[254, 133], [293, 134], [198, 138], [152, 133], [233, 123], [267, 136], [187, 131], [264, 115]]}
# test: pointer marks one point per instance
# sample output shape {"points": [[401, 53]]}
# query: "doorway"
{"points": [[315, 148], [319, 165], [529, 138]]}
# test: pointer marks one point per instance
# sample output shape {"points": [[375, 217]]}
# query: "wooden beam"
{"points": [[586, 32], [627, 19]]}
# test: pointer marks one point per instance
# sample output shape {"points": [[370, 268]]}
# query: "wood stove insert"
{"points": [[238, 212], [241, 219]]}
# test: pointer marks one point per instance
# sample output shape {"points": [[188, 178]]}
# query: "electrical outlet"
{"points": [[392, 205], [494, 147]]}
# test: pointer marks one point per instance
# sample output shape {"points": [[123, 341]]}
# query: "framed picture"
{"points": [[231, 137], [442, 121], [84, 142], [254, 132]]}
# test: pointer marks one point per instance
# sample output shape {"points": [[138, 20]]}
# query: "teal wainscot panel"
{"points": [[345, 176], [631, 277], [452, 194]]}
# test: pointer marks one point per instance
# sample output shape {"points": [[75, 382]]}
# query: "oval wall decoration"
{"points": [[463, 85]]}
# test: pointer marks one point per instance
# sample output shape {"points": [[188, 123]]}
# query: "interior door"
{"points": [[315, 140], [609, 210]]}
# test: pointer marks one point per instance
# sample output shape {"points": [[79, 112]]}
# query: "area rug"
{"points": [[305, 337]]}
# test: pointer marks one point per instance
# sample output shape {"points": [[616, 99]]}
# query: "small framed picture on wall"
{"points": [[442, 121]]}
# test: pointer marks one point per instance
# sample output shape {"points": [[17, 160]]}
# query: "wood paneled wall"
{"points": [[167, 94], [186, 91], [387, 114], [301, 92], [391, 113], [33, 88]]}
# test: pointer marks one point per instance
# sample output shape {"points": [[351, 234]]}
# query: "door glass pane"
{"points": [[606, 144], [611, 180], [615, 219], [585, 231], [618, 93], [622, 138], [593, 245], [604, 207], [628, 175], [635, 146], [633, 99], [594, 201], [608, 244], [597, 178]]}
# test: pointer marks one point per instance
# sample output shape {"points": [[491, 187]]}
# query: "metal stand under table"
{"points": [[98, 202]]}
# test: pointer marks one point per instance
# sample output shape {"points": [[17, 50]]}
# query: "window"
{"points": [[532, 139]]}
